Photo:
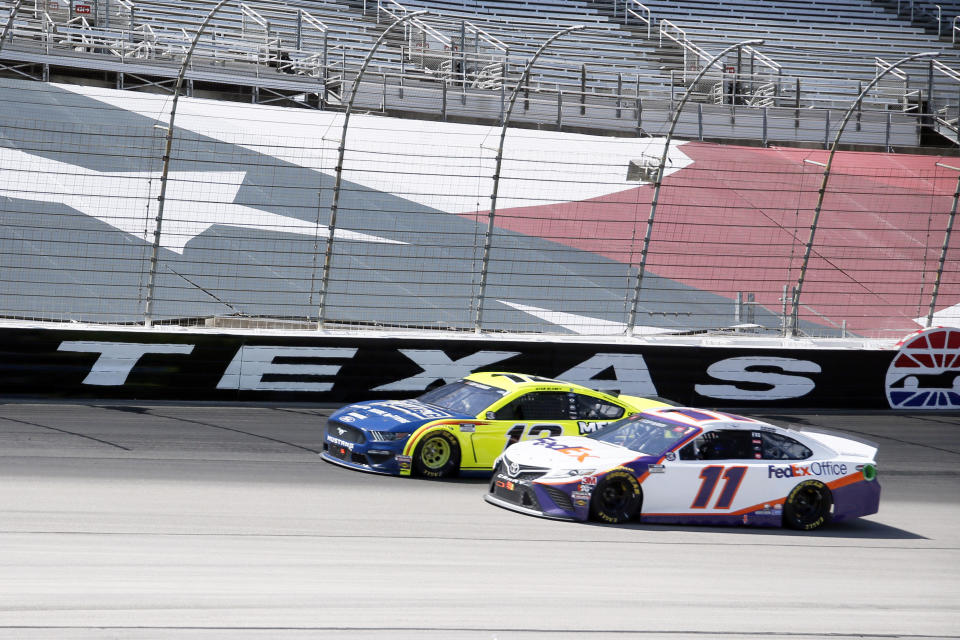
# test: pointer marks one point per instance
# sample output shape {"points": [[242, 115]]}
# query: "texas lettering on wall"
{"points": [[148, 364]]}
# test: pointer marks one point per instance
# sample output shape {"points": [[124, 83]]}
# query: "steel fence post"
{"points": [[583, 89], [798, 289], [764, 142], [632, 319], [889, 126], [859, 103], [559, 107], [796, 107], [488, 235], [619, 93], [944, 248], [826, 129], [164, 176], [338, 181]]}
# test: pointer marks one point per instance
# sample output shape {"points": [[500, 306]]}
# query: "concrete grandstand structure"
{"points": [[621, 74]]}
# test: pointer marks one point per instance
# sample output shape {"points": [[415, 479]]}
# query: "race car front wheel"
{"points": [[617, 498], [808, 506], [437, 455]]}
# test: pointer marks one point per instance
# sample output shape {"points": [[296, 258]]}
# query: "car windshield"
{"points": [[644, 435], [463, 396]]}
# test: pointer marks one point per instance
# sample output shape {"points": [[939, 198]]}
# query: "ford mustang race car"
{"points": [[681, 465], [465, 425]]}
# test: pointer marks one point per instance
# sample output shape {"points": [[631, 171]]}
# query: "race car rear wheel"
{"points": [[808, 506], [437, 455], [617, 498]]}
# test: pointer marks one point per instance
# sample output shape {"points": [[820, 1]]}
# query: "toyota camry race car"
{"points": [[465, 425], [690, 466]]}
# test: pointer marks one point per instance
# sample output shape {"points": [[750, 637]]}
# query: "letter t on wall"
{"points": [[117, 359]]}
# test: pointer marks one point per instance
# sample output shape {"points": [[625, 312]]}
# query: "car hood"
{"points": [[570, 452], [393, 415]]}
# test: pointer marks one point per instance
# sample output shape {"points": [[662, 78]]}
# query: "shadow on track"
{"points": [[856, 529]]}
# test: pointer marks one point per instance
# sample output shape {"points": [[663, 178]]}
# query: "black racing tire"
{"points": [[808, 506], [617, 498], [437, 455]]}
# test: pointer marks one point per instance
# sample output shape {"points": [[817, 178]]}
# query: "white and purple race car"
{"points": [[690, 466]]}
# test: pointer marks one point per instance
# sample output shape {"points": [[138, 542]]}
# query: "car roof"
{"points": [[707, 419], [522, 381]]}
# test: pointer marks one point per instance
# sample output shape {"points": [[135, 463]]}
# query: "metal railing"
{"points": [[249, 17], [918, 10], [639, 11]]}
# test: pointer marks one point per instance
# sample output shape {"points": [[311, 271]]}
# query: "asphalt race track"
{"points": [[202, 521]]}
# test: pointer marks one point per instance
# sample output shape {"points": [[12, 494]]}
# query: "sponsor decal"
{"points": [[589, 480], [770, 510], [346, 418], [386, 414], [671, 456], [405, 462], [468, 428], [580, 453], [656, 468], [340, 443], [589, 427], [416, 409], [814, 469], [513, 469], [586, 488], [506, 484], [925, 373], [580, 498]]}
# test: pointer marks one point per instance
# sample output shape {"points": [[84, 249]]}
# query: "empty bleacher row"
{"points": [[829, 39], [615, 65]]}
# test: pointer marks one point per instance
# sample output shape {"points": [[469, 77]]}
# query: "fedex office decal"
{"points": [[815, 469]]}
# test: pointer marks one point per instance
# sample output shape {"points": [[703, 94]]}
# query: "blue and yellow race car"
{"points": [[465, 425]]}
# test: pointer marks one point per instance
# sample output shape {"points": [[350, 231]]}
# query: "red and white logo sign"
{"points": [[925, 373], [81, 8]]}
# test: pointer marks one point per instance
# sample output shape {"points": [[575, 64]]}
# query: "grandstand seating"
{"points": [[826, 39], [831, 45]]}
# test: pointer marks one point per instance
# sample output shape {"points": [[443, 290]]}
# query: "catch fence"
{"points": [[245, 231]]}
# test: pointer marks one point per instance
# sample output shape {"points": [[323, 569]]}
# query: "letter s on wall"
{"points": [[738, 369]]}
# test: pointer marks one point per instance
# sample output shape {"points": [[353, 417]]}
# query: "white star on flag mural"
{"points": [[195, 200]]}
